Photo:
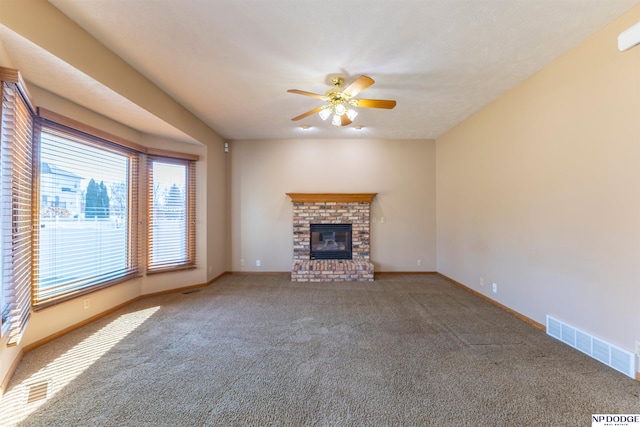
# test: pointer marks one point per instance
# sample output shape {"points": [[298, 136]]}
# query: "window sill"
{"points": [[82, 292], [171, 268]]}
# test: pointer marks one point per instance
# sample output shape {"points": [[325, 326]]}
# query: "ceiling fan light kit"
{"points": [[340, 100]]}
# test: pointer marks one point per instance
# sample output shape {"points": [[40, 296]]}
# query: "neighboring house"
{"points": [[60, 191]]}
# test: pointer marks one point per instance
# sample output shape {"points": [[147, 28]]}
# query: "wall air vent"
{"points": [[617, 358]]}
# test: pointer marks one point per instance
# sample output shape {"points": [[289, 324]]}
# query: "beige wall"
{"points": [[539, 192], [4, 56], [216, 214], [401, 172]]}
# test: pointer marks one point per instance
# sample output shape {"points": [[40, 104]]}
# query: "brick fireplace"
{"points": [[331, 208]]}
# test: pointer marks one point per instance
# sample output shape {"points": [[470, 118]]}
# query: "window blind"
{"points": [[16, 211], [87, 227], [171, 210]]}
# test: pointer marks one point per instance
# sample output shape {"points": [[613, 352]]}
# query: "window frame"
{"points": [[66, 129], [190, 213]]}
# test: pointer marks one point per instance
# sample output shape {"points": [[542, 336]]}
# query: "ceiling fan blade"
{"points": [[308, 113], [345, 121], [305, 93], [360, 84], [376, 103]]}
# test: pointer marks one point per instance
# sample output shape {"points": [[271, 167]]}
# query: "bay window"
{"points": [[71, 217]]}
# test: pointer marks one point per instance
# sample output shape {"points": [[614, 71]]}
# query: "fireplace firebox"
{"points": [[330, 241]]}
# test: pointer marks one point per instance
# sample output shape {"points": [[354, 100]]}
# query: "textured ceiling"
{"points": [[230, 62]]}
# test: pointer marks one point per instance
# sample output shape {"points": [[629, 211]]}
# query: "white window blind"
{"points": [[171, 209], [87, 230], [16, 211]]}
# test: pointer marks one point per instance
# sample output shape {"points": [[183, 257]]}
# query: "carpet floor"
{"points": [[259, 350]]}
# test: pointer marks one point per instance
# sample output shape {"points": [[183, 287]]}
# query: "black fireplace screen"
{"points": [[330, 241]]}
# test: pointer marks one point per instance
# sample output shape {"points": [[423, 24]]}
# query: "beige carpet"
{"points": [[258, 350]]}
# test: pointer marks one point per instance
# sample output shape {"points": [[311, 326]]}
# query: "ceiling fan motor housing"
{"points": [[338, 97]]}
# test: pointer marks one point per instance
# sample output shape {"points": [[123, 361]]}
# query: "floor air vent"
{"points": [[37, 392], [617, 358]]}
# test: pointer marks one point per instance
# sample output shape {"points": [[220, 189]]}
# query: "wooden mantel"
{"points": [[331, 197]]}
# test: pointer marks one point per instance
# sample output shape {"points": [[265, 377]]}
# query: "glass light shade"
{"points": [[340, 109], [336, 120], [324, 113], [351, 114]]}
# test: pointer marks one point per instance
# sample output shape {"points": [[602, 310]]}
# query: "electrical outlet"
{"points": [[86, 303], [481, 281], [638, 348], [210, 269], [495, 288], [419, 262], [382, 220], [257, 263], [241, 262]]}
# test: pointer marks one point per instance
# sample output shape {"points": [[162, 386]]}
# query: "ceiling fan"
{"points": [[340, 100]]}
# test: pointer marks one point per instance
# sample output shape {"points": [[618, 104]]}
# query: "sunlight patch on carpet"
{"points": [[26, 397]]}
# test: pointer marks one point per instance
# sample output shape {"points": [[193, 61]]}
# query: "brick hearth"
{"points": [[327, 208], [331, 270]]}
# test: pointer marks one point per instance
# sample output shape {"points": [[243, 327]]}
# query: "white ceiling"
{"points": [[230, 62]]}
